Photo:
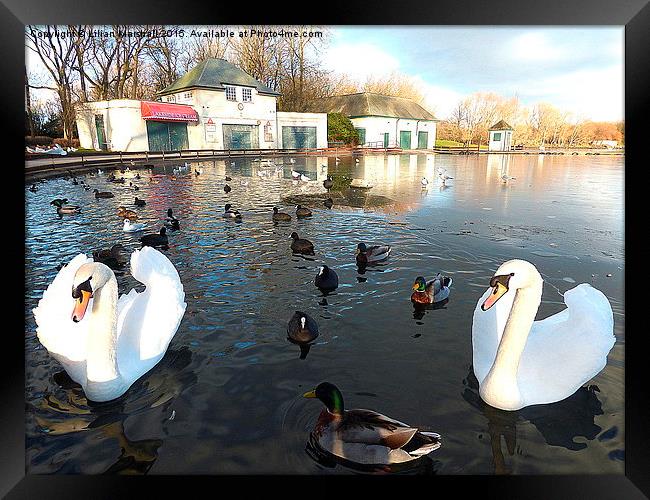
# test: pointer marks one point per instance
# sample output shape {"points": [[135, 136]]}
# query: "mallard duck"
{"points": [[154, 240], [172, 222], [135, 188], [328, 183], [231, 214], [108, 346], [520, 362], [126, 214], [227, 188], [432, 291], [132, 227], [365, 436], [302, 328], [33, 188], [137, 176], [228, 179], [328, 203], [113, 257], [139, 203], [121, 180], [302, 211], [375, 253], [326, 279], [280, 216], [103, 194], [63, 208], [299, 245]]}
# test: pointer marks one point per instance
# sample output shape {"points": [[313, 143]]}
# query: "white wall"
{"points": [[503, 144], [125, 128], [376, 126], [212, 104], [318, 120]]}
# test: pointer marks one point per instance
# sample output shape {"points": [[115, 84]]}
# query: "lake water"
{"points": [[226, 398]]}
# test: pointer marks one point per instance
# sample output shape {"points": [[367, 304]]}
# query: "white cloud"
{"points": [[534, 46], [597, 94], [360, 60]]}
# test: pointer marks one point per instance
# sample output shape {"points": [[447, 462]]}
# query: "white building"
{"points": [[213, 106], [500, 136], [384, 121]]}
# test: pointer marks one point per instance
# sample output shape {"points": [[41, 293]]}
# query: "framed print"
{"points": [[374, 245]]}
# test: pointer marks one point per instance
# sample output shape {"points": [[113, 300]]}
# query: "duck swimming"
{"points": [[63, 208], [231, 214], [520, 362], [132, 227], [109, 342], [302, 328], [300, 245], [172, 222], [432, 291], [139, 203], [103, 194], [227, 188], [326, 279], [365, 436], [113, 257], [280, 216], [302, 211], [155, 240], [368, 255], [126, 214]]}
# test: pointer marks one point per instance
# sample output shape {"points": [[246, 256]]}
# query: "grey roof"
{"points": [[213, 74], [501, 125], [371, 104]]}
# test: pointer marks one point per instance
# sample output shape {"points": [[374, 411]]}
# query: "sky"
{"points": [[576, 69]]}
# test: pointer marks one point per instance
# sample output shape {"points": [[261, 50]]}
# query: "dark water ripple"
{"points": [[226, 397]]}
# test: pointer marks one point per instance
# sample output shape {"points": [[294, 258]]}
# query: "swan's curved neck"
{"points": [[500, 385], [102, 340]]}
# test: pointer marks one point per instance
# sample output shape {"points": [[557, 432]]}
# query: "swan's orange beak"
{"points": [[497, 293], [81, 304]]}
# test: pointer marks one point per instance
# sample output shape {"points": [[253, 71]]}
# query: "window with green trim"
{"points": [[496, 136]]}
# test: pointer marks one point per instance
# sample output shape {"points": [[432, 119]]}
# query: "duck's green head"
{"points": [[329, 394], [420, 284]]}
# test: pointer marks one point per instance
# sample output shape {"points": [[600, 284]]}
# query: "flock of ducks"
{"points": [[518, 361]]}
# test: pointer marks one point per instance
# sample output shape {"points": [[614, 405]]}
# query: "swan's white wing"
{"points": [[64, 339], [568, 349], [487, 329], [147, 321]]}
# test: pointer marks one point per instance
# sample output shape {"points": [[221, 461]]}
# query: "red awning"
{"points": [[168, 112]]}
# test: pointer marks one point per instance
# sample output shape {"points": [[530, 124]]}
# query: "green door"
{"points": [[101, 132], [423, 139], [362, 135], [241, 137], [167, 136], [405, 139], [386, 137], [298, 137]]}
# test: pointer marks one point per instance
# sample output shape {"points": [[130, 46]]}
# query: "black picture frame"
{"points": [[633, 14]]}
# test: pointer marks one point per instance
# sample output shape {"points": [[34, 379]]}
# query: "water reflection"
{"points": [[106, 421], [558, 423], [242, 282]]}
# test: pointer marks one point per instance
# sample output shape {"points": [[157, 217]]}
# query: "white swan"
{"points": [[519, 361], [108, 349]]}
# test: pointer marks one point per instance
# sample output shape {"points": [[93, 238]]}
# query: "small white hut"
{"points": [[500, 136]]}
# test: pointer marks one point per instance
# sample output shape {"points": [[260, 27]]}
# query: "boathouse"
{"points": [[384, 121], [500, 136], [213, 106]]}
